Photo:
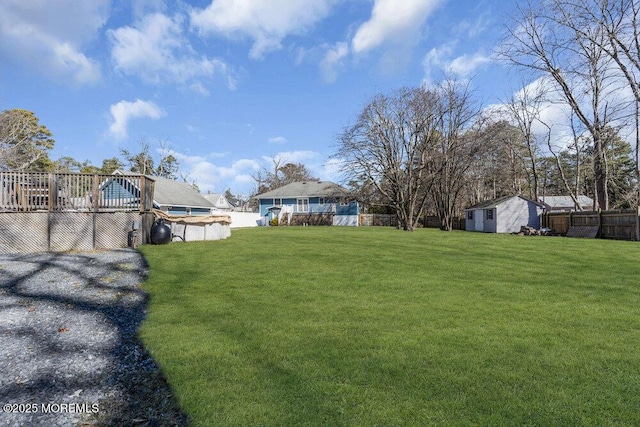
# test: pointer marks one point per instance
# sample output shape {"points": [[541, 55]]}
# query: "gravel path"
{"points": [[69, 351]]}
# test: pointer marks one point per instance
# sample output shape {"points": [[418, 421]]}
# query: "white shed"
{"points": [[504, 215]]}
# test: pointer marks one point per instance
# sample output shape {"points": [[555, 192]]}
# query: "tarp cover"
{"points": [[195, 219]]}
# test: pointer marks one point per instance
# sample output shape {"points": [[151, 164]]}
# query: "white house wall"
{"points": [[516, 212]]}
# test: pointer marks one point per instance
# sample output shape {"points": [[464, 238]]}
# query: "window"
{"points": [[489, 213], [321, 201], [470, 215], [303, 205], [277, 202]]}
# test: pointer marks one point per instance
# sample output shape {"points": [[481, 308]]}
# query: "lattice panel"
{"points": [[112, 229], [23, 232], [71, 231], [27, 232]]}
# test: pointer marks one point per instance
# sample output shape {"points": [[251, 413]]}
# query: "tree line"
{"points": [[25, 145], [435, 150]]}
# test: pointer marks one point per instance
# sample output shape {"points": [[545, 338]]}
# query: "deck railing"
{"points": [[55, 192]]}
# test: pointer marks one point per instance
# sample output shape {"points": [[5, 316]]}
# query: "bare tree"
{"points": [[392, 146], [168, 165], [500, 167], [143, 162], [544, 39], [619, 20], [524, 109], [24, 142], [456, 149], [281, 174]]}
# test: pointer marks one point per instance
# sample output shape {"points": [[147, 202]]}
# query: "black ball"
{"points": [[160, 234]]}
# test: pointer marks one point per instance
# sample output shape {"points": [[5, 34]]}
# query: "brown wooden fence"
{"points": [[617, 224], [384, 220], [65, 211], [55, 192], [391, 220], [458, 223]]}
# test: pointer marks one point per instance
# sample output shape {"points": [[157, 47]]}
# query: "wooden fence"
{"points": [[55, 192], [66, 211], [458, 223], [385, 220], [391, 220], [618, 224]]}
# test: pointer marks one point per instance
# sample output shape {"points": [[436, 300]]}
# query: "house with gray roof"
{"points": [[504, 215], [170, 196], [310, 201], [566, 203], [219, 201]]}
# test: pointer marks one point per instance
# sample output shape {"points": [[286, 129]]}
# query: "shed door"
{"points": [[478, 216]]}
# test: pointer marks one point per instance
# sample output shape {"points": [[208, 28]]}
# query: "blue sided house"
{"points": [[170, 196], [309, 203]]}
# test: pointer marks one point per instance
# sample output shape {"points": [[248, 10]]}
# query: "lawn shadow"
{"points": [[69, 336]]}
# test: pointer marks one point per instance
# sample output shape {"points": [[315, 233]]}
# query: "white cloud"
{"points": [[124, 111], [439, 61], [333, 60], [278, 140], [40, 35], [156, 49], [465, 65], [474, 28], [301, 156], [332, 170], [267, 23], [215, 174], [215, 178], [436, 60], [392, 20]]}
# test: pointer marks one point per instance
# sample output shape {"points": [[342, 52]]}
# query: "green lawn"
{"points": [[374, 326]]}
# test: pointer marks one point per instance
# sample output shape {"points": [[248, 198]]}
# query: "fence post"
{"points": [[600, 233], [96, 204], [49, 208], [638, 223], [50, 190], [570, 219]]}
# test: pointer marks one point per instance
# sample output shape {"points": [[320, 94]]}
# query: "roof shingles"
{"points": [[305, 189]]}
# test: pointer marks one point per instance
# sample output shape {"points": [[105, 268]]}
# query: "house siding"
{"points": [[121, 189], [328, 206], [516, 212], [508, 216], [346, 214]]}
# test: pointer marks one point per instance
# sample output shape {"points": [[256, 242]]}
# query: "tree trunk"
{"points": [[600, 176]]}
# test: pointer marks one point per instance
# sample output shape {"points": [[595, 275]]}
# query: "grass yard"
{"points": [[373, 326]]}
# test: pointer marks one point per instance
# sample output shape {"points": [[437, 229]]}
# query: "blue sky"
{"points": [[229, 85]]}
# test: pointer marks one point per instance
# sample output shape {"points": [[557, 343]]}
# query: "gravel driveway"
{"points": [[69, 351]]}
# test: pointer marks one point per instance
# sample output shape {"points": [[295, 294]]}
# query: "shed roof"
{"points": [[169, 192], [305, 189], [488, 204], [566, 201]]}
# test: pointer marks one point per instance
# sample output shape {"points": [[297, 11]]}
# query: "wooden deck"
{"points": [[56, 192]]}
